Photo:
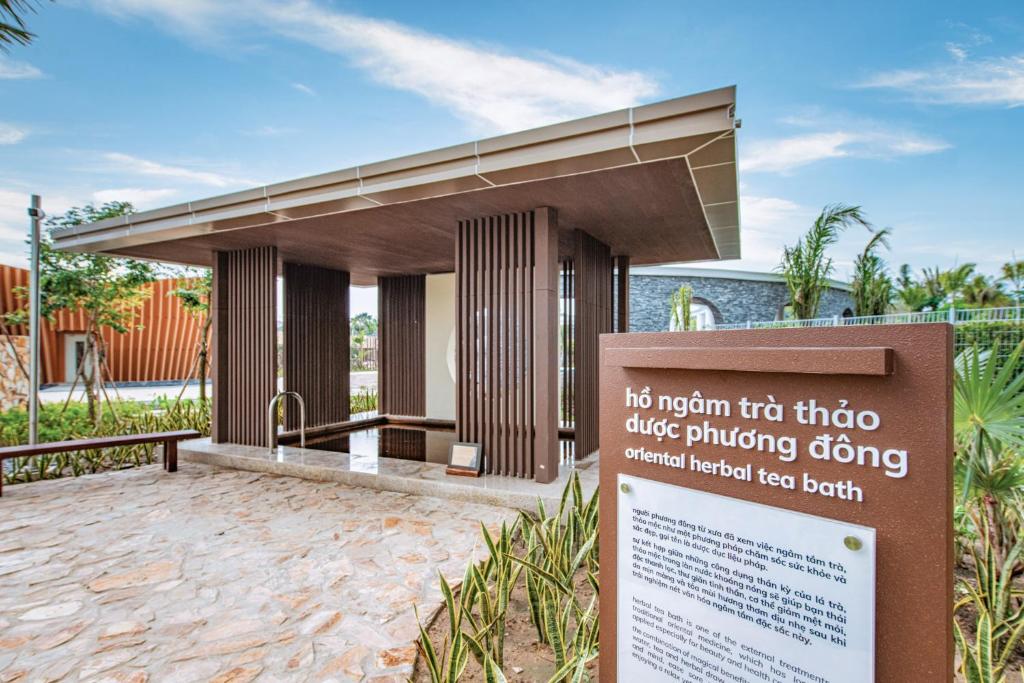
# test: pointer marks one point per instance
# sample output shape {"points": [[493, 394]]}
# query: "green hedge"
{"points": [[126, 417], [1002, 337]]}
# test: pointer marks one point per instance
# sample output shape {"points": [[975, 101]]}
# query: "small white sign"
{"points": [[712, 588]]}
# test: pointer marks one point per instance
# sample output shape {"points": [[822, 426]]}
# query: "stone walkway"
{"points": [[219, 575]]}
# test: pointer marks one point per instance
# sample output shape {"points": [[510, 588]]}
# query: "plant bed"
{"points": [[529, 611], [526, 658]]}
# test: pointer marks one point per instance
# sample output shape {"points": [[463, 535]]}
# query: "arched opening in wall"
{"points": [[705, 314], [785, 311], [847, 313]]}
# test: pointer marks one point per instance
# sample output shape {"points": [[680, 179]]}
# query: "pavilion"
{"points": [[498, 263]]}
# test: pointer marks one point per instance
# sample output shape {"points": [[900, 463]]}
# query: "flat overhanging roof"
{"points": [[656, 182]]}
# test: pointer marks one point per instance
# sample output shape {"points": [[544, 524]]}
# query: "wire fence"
{"points": [[1000, 329]]}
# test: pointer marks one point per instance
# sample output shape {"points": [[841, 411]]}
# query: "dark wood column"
{"points": [[244, 310], [316, 343], [401, 373], [622, 294], [593, 269], [507, 322], [545, 335]]}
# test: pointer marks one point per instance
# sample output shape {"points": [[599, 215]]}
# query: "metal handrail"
{"points": [[272, 419]]}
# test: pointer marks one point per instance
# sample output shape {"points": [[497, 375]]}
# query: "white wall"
{"points": [[440, 346]]}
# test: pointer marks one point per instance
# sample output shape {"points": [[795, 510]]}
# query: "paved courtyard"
{"points": [[219, 575]]}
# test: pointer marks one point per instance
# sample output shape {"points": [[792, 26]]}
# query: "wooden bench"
{"points": [[168, 439]]}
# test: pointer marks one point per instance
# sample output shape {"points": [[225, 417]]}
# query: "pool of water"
{"points": [[421, 444], [406, 443]]}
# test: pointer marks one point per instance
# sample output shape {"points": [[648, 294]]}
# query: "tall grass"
{"points": [[547, 552], [989, 436], [126, 417]]}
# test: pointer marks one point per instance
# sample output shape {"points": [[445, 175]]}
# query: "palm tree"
{"points": [[955, 279], [873, 288], [806, 268], [982, 291], [912, 294], [988, 430], [12, 23], [1013, 272]]}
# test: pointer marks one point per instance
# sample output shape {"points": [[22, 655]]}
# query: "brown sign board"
{"points": [[735, 467]]}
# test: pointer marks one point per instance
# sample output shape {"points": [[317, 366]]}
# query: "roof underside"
{"points": [[657, 183]]}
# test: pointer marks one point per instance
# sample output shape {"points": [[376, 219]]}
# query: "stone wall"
{"points": [[732, 300], [13, 383]]}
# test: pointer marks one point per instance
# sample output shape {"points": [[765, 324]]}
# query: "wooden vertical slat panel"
{"points": [[401, 377], [497, 346], [244, 343], [163, 334], [622, 293], [316, 343], [545, 353], [593, 283]]}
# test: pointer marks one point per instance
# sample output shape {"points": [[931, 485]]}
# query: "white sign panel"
{"points": [[712, 588]]}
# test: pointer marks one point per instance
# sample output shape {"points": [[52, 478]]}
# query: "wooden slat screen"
{"points": [[245, 343], [402, 340], [565, 335], [593, 266], [162, 345], [507, 280], [316, 343], [622, 294]]}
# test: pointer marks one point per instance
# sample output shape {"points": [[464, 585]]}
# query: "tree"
{"points": [[1013, 273], [953, 281], [107, 290], [982, 291], [194, 296], [873, 288], [681, 303], [806, 268], [362, 326], [914, 295], [13, 30]]}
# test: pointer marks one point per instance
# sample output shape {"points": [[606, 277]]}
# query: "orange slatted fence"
{"points": [[162, 345]]}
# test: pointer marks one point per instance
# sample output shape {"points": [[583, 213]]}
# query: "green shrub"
{"points": [[122, 417], [555, 549], [1001, 337]]}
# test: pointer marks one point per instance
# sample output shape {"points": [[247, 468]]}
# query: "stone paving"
{"points": [[218, 575]]}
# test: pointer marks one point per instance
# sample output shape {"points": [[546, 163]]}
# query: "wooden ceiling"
{"points": [[648, 211]]}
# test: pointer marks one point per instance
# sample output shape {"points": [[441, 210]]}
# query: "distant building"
{"points": [[719, 296], [161, 346]]}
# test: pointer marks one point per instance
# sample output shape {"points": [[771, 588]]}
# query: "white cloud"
{"points": [[491, 87], [140, 198], [11, 135], [788, 153], [134, 165], [268, 131], [997, 81], [12, 70], [303, 88]]}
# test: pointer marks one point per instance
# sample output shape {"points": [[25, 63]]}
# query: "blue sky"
{"points": [[911, 109]]}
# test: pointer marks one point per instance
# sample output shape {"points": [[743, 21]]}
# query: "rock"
{"points": [[107, 660], [62, 636], [123, 628], [60, 609], [221, 647], [133, 676], [238, 675], [143, 576], [396, 656], [14, 642], [320, 623]]}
